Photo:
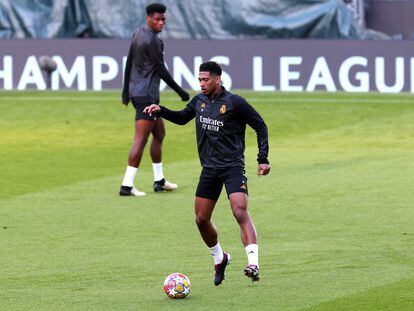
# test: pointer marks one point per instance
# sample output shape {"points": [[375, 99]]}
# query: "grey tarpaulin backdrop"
{"points": [[187, 19]]}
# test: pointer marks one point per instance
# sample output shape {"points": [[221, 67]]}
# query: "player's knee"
{"points": [[201, 221], [240, 213], [160, 137], [140, 142]]}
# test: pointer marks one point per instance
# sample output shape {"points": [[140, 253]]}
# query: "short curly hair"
{"points": [[211, 67], [155, 8]]}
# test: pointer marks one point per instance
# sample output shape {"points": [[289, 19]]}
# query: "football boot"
{"points": [[164, 185], [220, 268], [130, 191], [252, 272]]}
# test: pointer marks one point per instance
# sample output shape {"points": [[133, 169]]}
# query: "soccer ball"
{"points": [[177, 286]]}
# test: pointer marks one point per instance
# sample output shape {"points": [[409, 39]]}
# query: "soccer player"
{"points": [[144, 69], [221, 119]]}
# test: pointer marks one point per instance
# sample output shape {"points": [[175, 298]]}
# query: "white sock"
{"points": [[158, 174], [129, 176], [217, 253], [252, 251]]}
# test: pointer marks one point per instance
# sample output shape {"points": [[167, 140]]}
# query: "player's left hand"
{"points": [[184, 96], [263, 169]]}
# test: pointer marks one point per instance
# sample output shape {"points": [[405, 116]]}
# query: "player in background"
{"points": [[221, 119], [143, 71]]}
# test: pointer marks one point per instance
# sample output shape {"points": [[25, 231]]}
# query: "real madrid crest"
{"points": [[202, 106], [223, 109]]}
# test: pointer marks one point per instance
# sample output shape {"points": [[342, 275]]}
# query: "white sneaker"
{"points": [[164, 185], [136, 192], [130, 191], [170, 186]]}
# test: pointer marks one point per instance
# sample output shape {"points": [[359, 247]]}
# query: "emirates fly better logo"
{"points": [[210, 124]]}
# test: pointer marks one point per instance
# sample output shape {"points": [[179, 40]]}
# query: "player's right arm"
{"points": [[180, 117], [125, 89]]}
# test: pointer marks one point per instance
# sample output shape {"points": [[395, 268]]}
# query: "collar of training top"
{"points": [[222, 93]]}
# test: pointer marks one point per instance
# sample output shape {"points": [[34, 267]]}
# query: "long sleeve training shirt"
{"points": [[145, 68], [221, 126]]}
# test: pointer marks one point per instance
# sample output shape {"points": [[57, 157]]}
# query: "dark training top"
{"points": [[145, 67], [221, 126]]}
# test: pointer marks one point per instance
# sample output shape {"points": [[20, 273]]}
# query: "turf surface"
{"points": [[335, 217]]}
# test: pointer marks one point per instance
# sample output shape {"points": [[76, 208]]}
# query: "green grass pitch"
{"points": [[335, 217]]}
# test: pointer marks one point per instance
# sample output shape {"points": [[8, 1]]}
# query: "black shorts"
{"points": [[139, 106], [212, 180]]}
